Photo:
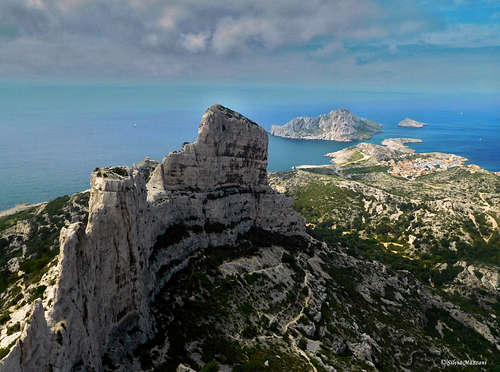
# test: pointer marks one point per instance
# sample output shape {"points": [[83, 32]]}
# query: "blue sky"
{"points": [[374, 45]]}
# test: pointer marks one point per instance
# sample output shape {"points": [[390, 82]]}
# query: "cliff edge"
{"points": [[145, 220]]}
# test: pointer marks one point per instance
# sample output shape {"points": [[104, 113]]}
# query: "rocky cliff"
{"points": [[337, 125], [144, 224]]}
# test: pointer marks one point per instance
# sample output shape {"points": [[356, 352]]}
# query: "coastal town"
{"points": [[411, 166], [394, 156]]}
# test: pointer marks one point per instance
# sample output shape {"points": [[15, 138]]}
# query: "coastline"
{"points": [[24, 206], [283, 154], [17, 208]]}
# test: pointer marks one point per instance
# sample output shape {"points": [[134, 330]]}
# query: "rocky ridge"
{"points": [[142, 221], [337, 125]]}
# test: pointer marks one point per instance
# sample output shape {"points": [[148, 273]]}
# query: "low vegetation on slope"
{"points": [[406, 280], [282, 304], [441, 227], [443, 218]]}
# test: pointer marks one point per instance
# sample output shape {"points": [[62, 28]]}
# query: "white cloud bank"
{"points": [[226, 39]]}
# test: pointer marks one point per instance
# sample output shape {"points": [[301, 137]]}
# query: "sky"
{"points": [[374, 45]]}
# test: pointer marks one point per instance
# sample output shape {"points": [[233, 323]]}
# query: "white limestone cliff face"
{"points": [[140, 224], [337, 125]]}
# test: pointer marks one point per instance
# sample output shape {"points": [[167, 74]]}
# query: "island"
{"points": [[338, 125], [411, 123]]}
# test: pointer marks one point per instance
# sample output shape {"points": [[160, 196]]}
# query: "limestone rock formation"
{"points": [[142, 221], [337, 125], [369, 153], [411, 123]]}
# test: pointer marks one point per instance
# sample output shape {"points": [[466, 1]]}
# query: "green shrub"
{"points": [[37, 292], [13, 329], [35, 264], [4, 318], [16, 299], [55, 206], [210, 367], [8, 221], [5, 350], [83, 199], [119, 171], [4, 243], [302, 343]]}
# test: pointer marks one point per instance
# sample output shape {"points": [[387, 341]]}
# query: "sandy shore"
{"points": [[16, 209]]}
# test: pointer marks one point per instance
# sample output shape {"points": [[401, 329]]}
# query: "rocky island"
{"points": [[201, 263], [411, 123], [337, 125]]}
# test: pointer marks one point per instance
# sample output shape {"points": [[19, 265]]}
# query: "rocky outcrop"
{"points": [[337, 125], [411, 123], [142, 221], [371, 154]]}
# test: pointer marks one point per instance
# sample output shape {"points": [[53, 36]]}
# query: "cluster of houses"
{"points": [[412, 167]]}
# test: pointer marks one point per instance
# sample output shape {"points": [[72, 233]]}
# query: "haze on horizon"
{"points": [[379, 45]]}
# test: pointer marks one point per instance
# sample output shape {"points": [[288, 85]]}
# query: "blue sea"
{"points": [[53, 135]]}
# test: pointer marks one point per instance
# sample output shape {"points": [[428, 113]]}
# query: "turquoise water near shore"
{"points": [[53, 136]]}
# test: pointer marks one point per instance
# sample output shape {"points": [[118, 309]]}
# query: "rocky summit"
{"points": [[196, 264], [337, 125], [144, 225]]}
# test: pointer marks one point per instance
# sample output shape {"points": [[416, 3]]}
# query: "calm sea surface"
{"points": [[53, 136]]}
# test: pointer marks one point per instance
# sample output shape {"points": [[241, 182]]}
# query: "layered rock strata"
{"points": [[146, 220]]}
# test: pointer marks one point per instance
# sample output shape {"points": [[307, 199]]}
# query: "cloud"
{"points": [[329, 49], [279, 40], [194, 42], [220, 26], [171, 16], [35, 4], [466, 36], [279, 24]]}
